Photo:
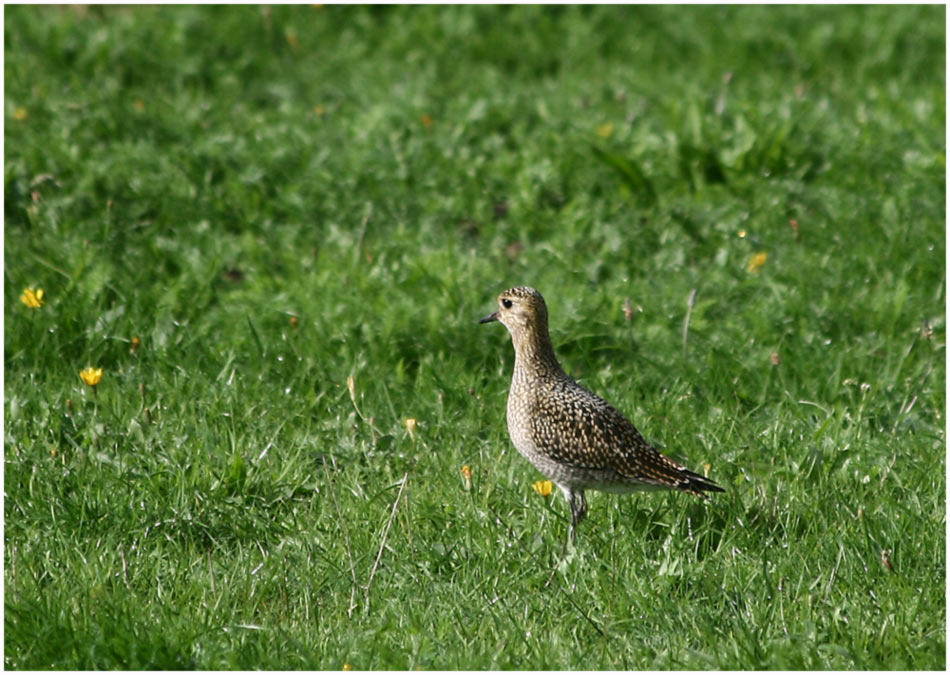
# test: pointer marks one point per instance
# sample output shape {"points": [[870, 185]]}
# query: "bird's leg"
{"points": [[582, 507], [578, 503], [578, 510]]}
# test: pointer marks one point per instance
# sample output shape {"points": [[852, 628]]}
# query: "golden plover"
{"points": [[570, 435]]}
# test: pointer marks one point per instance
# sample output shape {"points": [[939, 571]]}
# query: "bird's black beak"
{"points": [[491, 317]]}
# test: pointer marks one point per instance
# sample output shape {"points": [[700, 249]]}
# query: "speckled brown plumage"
{"points": [[571, 435]]}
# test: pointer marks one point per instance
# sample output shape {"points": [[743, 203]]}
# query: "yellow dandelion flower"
{"points": [[136, 341], [32, 298], [411, 424], [20, 114], [319, 110], [756, 262], [604, 130], [543, 487], [347, 666], [91, 376]]}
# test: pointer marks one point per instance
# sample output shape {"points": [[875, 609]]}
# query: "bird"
{"points": [[574, 437]]}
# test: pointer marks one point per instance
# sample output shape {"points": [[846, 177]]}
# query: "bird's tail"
{"points": [[694, 483]]}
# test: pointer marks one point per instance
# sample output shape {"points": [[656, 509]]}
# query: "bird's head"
{"points": [[521, 310]]}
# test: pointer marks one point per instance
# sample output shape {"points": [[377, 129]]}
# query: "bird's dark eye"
{"points": [[506, 302]]}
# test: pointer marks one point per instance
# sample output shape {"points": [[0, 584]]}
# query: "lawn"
{"points": [[275, 229]]}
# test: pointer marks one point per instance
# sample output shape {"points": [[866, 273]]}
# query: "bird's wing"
{"points": [[585, 431]]}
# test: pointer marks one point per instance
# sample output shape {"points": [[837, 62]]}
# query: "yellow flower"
{"points": [[136, 341], [20, 114], [543, 487], [32, 299], [347, 666], [411, 427], [91, 376], [604, 130], [756, 262], [467, 477]]}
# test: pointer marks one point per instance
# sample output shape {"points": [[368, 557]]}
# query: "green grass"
{"points": [[195, 177]]}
